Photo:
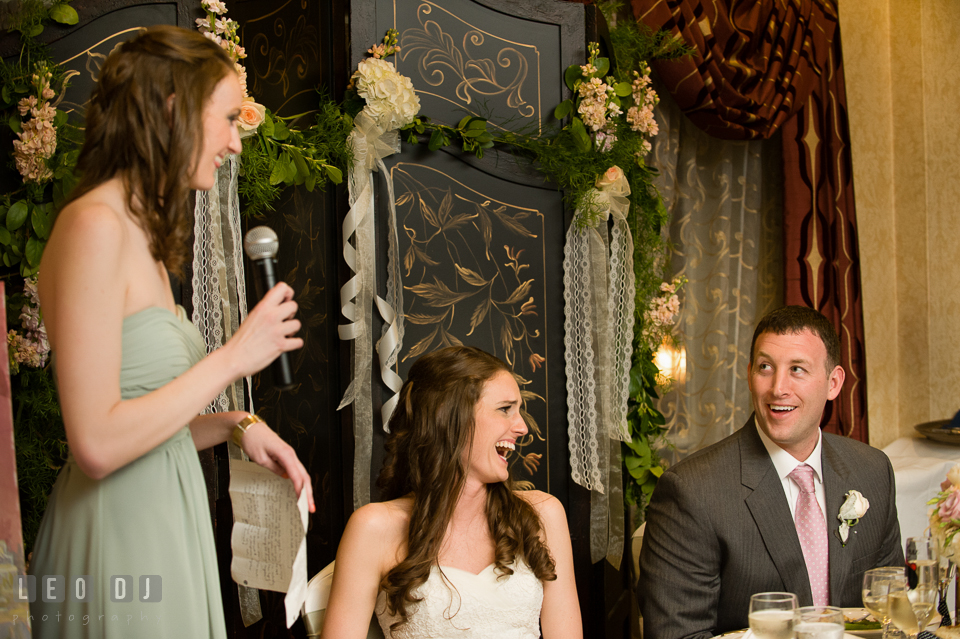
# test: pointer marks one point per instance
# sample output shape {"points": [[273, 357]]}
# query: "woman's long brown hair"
{"points": [[431, 431], [144, 123]]}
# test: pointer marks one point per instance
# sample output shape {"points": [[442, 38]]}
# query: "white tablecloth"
{"points": [[920, 464]]}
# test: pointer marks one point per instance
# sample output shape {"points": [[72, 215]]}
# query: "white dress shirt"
{"points": [[784, 463]]}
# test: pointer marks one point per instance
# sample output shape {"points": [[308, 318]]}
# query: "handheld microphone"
{"points": [[260, 244]]}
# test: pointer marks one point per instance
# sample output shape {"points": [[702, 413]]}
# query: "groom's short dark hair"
{"points": [[796, 319]]}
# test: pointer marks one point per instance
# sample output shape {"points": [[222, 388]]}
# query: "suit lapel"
{"points": [[835, 473], [771, 514]]}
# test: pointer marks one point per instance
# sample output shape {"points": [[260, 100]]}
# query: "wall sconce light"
{"points": [[671, 359]]}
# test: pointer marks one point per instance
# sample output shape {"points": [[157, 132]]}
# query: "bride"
{"points": [[454, 552]]}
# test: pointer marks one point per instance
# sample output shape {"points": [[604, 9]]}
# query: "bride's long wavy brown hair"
{"points": [[431, 433], [144, 122]]}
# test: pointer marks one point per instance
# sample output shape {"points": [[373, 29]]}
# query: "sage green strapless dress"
{"points": [[150, 517]]}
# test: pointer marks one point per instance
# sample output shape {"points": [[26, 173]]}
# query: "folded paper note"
{"points": [[268, 539]]}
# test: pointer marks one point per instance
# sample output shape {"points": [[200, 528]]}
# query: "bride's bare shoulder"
{"points": [[552, 515], [388, 518], [379, 530], [539, 500]]}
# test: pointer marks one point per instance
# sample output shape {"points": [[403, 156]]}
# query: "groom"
{"points": [[759, 510]]}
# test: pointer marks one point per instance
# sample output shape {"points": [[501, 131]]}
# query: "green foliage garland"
{"points": [[40, 443], [27, 211], [648, 430], [278, 156]]}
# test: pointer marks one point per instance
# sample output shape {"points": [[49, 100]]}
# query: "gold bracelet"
{"points": [[243, 426]]}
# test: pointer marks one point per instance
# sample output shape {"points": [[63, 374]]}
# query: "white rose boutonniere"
{"points": [[851, 511]]}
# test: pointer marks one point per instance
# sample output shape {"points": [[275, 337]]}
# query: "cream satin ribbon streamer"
{"points": [[599, 307], [369, 145]]}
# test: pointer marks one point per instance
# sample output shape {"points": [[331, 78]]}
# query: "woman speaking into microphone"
{"points": [[132, 371]]}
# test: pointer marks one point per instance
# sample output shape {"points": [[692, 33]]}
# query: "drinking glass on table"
{"points": [[912, 609], [923, 555], [771, 614], [878, 583], [920, 551], [818, 622]]}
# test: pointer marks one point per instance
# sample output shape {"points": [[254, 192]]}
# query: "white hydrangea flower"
{"points": [[390, 97]]}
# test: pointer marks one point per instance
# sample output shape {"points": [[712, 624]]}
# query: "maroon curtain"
{"points": [[760, 66]]}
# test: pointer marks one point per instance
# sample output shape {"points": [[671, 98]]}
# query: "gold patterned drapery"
{"points": [[760, 67], [726, 231]]}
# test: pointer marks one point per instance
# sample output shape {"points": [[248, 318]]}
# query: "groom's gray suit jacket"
{"points": [[719, 529]]}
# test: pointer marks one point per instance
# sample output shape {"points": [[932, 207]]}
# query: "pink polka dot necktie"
{"points": [[812, 531]]}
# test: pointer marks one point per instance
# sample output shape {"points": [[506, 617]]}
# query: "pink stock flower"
{"points": [[27, 104], [605, 141], [215, 6]]}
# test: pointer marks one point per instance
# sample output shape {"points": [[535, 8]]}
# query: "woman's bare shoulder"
{"points": [[94, 221], [88, 243], [539, 500], [387, 518], [550, 510], [378, 530]]}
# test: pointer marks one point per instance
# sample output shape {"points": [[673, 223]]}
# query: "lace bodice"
{"points": [[458, 604]]}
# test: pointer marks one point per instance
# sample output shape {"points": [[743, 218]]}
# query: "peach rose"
{"points": [[610, 177], [251, 115]]}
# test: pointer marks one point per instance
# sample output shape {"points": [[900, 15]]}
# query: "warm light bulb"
{"points": [[671, 361]]}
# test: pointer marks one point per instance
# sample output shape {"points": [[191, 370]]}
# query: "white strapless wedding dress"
{"points": [[457, 604]]}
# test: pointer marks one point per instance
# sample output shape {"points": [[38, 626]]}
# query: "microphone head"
{"points": [[261, 243]]}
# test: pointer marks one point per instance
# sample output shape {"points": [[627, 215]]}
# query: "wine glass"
{"points": [[771, 614], [878, 584], [818, 622], [912, 610]]}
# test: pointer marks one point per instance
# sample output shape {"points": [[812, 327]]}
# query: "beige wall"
{"points": [[903, 96]]}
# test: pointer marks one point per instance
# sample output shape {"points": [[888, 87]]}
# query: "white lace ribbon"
{"points": [[369, 145], [219, 290], [220, 303], [599, 313]]}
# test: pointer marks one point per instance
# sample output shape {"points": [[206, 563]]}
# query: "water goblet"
{"points": [[771, 614], [818, 622]]}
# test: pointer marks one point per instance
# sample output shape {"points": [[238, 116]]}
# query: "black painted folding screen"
{"points": [[481, 241]]}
